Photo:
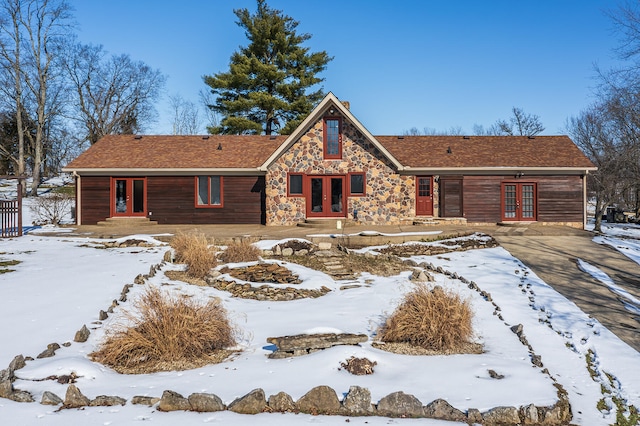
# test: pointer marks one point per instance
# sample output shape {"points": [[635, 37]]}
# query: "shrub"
{"points": [[432, 319], [167, 333], [241, 251], [51, 208], [193, 249]]}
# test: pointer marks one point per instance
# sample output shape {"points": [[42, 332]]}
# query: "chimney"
{"points": [[346, 104]]}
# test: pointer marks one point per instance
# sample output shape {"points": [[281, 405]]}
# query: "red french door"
{"points": [[519, 202], [424, 196], [326, 196], [128, 197]]}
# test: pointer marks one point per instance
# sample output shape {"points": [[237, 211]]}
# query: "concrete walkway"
{"points": [[554, 260]]}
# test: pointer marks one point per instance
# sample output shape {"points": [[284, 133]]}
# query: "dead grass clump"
{"points": [[241, 251], [431, 319], [167, 333], [193, 249]]}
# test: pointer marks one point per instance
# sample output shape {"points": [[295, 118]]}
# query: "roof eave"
{"points": [[227, 171], [497, 170]]}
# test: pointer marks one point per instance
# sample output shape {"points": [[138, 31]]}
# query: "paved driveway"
{"points": [[554, 259]]}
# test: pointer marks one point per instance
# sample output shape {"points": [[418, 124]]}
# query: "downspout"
{"points": [[78, 198], [584, 199]]}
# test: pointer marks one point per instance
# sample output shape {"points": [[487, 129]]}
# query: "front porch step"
{"points": [[330, 223], [436, 221], [127, 221]]}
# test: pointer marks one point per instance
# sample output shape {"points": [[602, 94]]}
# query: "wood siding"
{"points": [[95, 199], [171, 200], [559, 198]]}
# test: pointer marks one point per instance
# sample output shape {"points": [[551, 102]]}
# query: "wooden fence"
{"points": [[11, 212]]}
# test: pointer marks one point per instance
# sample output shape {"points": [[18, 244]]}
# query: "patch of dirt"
{"points": [[384, 266], [183, 276], [216, 357], [408, 349], [359, 366], [406, 250]]}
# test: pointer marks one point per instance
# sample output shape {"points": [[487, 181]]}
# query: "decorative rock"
{"points": [[474, 416], [537, 360], [421, 276], [21, 396], [319, 400], [17, 363], [252, 403], [287, 251], [50, 398], [6, 389], [205, 402], [139, 279], [102, 315], [173, 401], [517, 329], [74, 398], [107, 401], [400, 404], [559, 414], [324, 246], [358, 401], [82, 335], [501, 416], [441, 409], [282, 403], [50, 351], [168, 256], [530, 414], [145, 400]]}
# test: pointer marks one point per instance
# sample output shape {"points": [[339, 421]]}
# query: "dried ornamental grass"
{"points": [[167, 333], [431, 319], [193, 249], [241, 251]]}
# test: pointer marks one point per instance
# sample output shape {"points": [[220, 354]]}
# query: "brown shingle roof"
{"points": [[485, 151], [177, 152], [251, 151]]}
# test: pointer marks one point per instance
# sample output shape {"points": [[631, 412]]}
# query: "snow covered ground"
{"points": [[62, 283]]}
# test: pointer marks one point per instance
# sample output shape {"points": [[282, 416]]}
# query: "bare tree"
{"points": [[592, 133], [186, 116], [114, 95], [33, 34], [11, 84], [520, 124], [429, 131]]}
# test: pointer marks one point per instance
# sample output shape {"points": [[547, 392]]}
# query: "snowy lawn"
{"points": [[62, 283]]}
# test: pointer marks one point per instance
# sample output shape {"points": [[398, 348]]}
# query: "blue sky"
{"points": [[401, 64]]}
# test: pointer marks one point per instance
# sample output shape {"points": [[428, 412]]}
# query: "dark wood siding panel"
{"points": [[95, 199], [560, 199], [451, 197], [171, 200], [482, 198]]}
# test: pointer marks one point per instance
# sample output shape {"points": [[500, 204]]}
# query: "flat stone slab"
{"points": [[302, 344]]}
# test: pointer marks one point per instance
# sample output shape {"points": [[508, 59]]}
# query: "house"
{"points": [[332, 167]]}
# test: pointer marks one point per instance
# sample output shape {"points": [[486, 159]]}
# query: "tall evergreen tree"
{"points": [[265, 89]]}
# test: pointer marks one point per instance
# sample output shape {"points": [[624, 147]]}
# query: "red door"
{"points": [[326, 196], [519, 202], [128, 197], [424, 196]]}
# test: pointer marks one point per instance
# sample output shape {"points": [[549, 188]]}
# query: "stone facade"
{"points": [[389, 196]]}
